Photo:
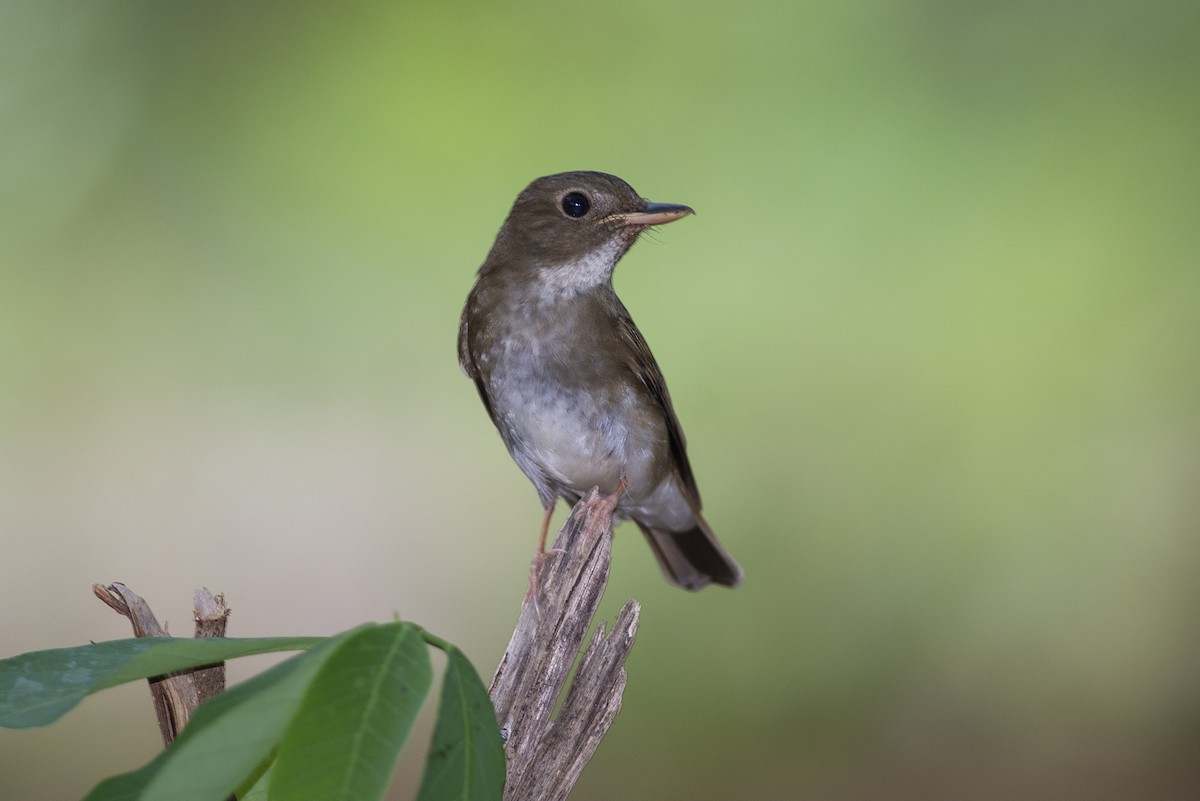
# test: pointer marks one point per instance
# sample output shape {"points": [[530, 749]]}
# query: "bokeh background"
{"points": [[934, 335]]}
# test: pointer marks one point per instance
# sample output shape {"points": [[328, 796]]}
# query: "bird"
{"points": [[568, 379]]}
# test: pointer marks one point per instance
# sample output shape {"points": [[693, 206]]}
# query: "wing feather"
{"points": [[466, 361], [646, 369]]}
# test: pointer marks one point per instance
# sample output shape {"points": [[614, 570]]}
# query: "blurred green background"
{"points": [[934, 336]]}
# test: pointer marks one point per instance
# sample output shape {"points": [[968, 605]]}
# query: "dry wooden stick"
{"points": [[546, 755], [175, 695]]}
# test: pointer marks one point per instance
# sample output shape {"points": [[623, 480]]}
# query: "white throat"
{"points": [[592, 270]]}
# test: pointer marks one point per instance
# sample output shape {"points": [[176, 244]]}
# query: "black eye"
{"points": [[576, 204]]}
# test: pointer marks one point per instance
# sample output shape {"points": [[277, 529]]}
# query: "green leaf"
{"points": [[325, 725], [355, 718], [127, 786], [466, 759], [38, 688], [228, 737], [258, 789]]}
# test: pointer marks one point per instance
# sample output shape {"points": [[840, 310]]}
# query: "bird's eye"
{"points": [[576, 204]]}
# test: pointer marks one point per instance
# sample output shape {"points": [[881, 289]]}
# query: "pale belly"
{"points": [[580, 439]]}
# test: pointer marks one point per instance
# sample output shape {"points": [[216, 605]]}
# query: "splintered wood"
{"points": [[545, 752]]}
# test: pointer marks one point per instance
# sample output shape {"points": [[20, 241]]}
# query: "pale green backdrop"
{"points": [[934, 335]]}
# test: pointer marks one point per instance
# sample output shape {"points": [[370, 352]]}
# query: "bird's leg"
{"points": [[622, 485], [535, 567], [545, 530]]}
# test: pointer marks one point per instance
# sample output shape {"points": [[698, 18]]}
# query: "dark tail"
{"points": [[693, 559]]}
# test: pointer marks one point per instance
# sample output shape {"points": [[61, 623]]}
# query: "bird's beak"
{"points": [[655, 214]]}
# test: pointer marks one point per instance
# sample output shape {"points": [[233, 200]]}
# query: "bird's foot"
{"points": [[606, 504]]}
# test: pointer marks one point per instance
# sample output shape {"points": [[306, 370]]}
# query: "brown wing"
{"points": [[464, 347], [643, 365], [467, 362]]}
